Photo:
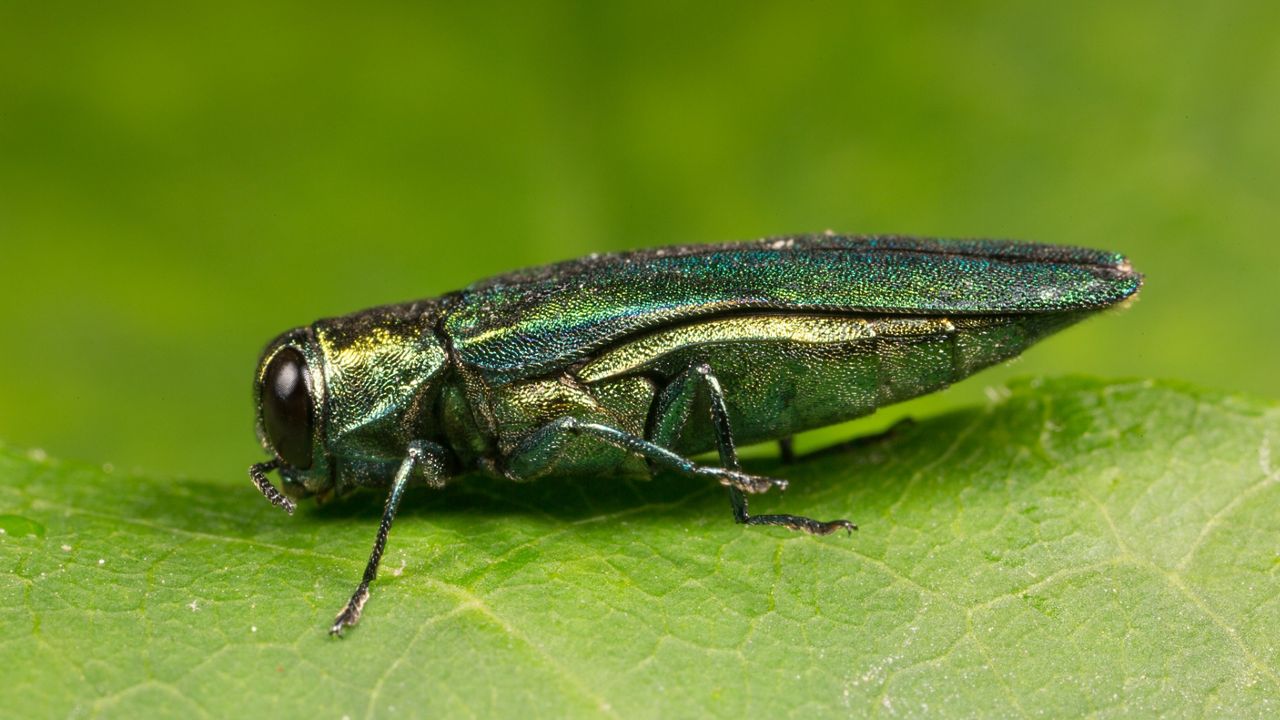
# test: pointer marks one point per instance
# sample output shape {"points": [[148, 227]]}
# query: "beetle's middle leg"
{"points": [[671, 414], [539, 452]]}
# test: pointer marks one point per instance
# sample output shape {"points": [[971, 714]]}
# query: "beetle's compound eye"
{"points": [[286, 407]]}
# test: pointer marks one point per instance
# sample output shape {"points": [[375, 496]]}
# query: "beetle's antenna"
{"points": [[258, 472]]}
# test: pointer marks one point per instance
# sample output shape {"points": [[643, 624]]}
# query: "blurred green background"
{"points": [[180, 183]]}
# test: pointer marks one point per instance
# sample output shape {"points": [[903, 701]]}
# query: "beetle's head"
{"points": [[340, 401], [289, 394]]}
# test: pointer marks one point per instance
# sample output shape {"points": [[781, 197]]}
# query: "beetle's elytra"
{"points": [[633, 361]]}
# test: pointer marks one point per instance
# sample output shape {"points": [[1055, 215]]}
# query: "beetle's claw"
{"points": [[845, 525], [817, 527], [350, 614], [345, 619]]}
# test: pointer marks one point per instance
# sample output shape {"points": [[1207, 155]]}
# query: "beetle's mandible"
{"points": [[633, 362]]}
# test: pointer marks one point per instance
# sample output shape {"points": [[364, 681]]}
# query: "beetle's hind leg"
{"points": [[671, 414]]}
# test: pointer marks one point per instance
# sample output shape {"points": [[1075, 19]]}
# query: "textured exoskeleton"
{"points": [[637, 361]]}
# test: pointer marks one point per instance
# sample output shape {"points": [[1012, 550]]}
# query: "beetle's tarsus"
{"points": [[802, 524], [350, 614], [798, 523], [258, 473], [753, 484]]}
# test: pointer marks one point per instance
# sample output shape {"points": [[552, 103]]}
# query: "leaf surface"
{"points": [[1073, 547]]}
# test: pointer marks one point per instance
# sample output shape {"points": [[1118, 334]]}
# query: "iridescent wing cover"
{"points": [[535, 321]]}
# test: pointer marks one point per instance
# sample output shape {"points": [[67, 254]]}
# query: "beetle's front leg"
{"points": [[671, 414], [538, 453], [432, 459]]}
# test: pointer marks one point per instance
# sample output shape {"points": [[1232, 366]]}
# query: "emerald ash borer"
{"points": [[639, 361]]}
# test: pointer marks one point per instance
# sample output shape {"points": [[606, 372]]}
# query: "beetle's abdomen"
{"points": [[785, 373]]}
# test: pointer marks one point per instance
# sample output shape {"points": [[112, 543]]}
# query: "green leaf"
{"points": [[1072, 548]]}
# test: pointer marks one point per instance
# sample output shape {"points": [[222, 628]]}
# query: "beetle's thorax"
{"points": [[382, 372]]}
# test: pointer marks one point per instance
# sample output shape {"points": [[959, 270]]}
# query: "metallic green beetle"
{"points": [[638, 361]]}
